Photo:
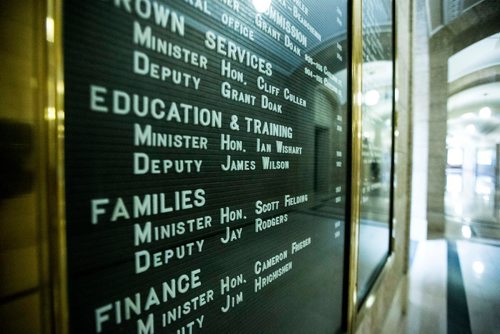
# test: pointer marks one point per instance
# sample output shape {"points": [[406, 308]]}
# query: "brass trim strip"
{"points": [[357, 61], [55, 135]]}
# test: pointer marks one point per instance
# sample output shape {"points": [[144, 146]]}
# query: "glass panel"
{"points": [[206, 165], [377, 141]]}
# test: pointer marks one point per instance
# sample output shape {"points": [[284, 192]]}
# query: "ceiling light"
{"points": [[485, 112], [261, 5], [471, 128], [468, 115]]}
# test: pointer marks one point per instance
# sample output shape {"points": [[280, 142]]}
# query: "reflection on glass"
{"points": [[471, 197], [484, 185], [377, 141], [454, 183], [485, 157], [478, 267], [455, 157], [261, 5], [466, 231]]}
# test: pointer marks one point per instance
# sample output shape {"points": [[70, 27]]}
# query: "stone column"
{"points": [[429, 100], [439, 51]]}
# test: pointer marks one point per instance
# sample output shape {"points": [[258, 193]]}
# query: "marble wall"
{"points": [[23, 284]]}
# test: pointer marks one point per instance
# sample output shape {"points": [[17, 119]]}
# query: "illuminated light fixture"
{"points": [[478, 267], [485, 112], [468, 115], [372, 97], [261, 6], [471, 128], [466, 231], [49, 26]]}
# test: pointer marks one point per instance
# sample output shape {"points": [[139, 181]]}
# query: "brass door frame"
{"points": [[356, 312], [55, 165]]}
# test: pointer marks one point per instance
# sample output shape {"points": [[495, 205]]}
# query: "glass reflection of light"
{"points": [[49, 29], [471, 128], [60, 87], [485, 112], [50, 113], [372, 97], [466, 231], [478, 267], [261, 5], [468, 115], [455, 157], [454, 183], [454, 140], [485, 157], [370, 301], [359, 98], [369, 135], [484, 185]]}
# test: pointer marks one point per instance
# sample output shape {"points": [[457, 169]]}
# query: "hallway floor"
{"points": [[454, 287]]}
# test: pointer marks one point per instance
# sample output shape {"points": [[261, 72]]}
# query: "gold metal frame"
{"points": [[54, 119], [357, 61], [355, 312]]}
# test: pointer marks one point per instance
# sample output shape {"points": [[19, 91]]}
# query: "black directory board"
{"points": [[205, 165]]}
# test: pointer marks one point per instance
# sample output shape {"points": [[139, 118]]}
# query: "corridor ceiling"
{"points": [[474, 106]]}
